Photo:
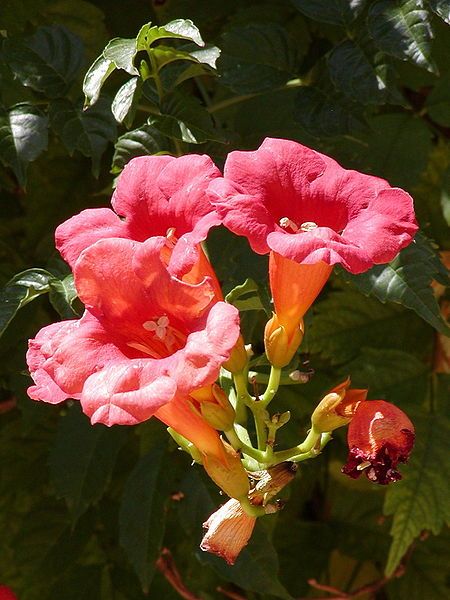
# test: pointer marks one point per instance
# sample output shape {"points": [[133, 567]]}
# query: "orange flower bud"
{"points": [[238, 359], [230, 475], [280, 346], [337, 407], [228, 531], [380, 436]]}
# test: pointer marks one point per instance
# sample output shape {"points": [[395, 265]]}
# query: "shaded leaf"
{"points": [[420, 501], [82, 583], [256, 58], [48, 61], [407, 280], [345, 321], [23, 137], [322, 113], [94, 79], [184, 118], [62, 296], [142, 518], [402, 29], [87, 131], [360, 76], [438, 102], [442, 9], [21, 289], [82, 460], [245, 296], [337, 12], [145, 140]]}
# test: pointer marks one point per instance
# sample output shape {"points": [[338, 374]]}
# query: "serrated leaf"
{"points": [[397, 148], [21, 289], [141, 517], [245, 296], [322, 113], [82, 460], [87, 131], [345, 321], [256, 58], [121, 52], [48, 61], [181, 29], [337, 12], [23, 136], [125, 99], [145, 140], [184, 118], [94, 79], [389, 374], [438, 101], [361, 76], [442, 9], [402, 29], [420, 501], [62, 295], [256, 567], [407, 280]]}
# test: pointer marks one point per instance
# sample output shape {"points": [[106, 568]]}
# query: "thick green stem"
{"points": [[238, 444], [272, 386], [259, 415], [251, 509], [240, 384], [305, 447]]}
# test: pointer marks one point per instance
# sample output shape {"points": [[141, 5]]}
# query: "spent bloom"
{"points": [[380, 436], [146, 341]]}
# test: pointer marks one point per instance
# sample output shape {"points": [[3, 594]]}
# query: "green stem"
{"points": [[178, 147], [240, 383], [155, 75], [251, 509], [238, 444], [306, 447], [259, 415], [272, 386]]}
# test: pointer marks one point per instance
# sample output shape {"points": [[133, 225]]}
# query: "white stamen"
{"points": [[286, 223], [159, 327], [363, 466], [308, 226]]}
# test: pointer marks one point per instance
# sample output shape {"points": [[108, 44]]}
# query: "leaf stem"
{"points": [[272, 386]]}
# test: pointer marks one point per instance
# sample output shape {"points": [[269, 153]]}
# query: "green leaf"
{"points": [[181, 29], [145, 140], [142, 517], [445, 196], [406, 280], [125, 99], [48, 61], [345, 322], [256, 568], [438, 102], [81, 583], [324, 113], [361, 76], [402, 29], [121, 52], [94, 79], [82, 460], [23, 137], [21, 289], [442, 9], [62, 296], [256, 58], [337, 12], [420, 501], [394, 375], [184, 118], [425, 575], [397, 148], [245, 296], [87, 131]]}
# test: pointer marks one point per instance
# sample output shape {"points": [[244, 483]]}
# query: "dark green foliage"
{"points": [[85, 511]]}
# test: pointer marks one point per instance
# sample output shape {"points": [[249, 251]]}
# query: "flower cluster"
{"points": [[156, 330]]}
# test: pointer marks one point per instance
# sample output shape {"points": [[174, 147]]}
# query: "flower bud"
{"points": [[238, 359], [380, 436], [228, 531], [337, 407], [280, 347], [219, 413], [230, 475]]}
